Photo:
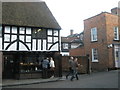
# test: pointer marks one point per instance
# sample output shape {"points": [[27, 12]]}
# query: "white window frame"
{"points": [[94, 34], [94, 55], [116, 33], [0, 30]]}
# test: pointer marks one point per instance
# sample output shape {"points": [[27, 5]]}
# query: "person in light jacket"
{"points": [[52, 67]]}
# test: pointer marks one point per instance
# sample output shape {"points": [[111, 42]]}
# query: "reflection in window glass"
{"points": [[22, 30], [7, 37], [7, 29], [0, 31]]}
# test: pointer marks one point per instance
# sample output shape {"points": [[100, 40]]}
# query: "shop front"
{"points": [[27, 64]]}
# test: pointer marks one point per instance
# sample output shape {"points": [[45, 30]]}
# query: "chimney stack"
{"points": [[71, 32]]}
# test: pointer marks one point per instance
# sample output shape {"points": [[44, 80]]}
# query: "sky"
{"points": [[70, 14]]}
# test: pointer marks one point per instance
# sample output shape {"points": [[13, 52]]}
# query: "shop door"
{"points": [[117, 56], [8, 72]]}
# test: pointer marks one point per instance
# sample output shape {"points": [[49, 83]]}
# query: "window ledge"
{"points": [[95, 61]]}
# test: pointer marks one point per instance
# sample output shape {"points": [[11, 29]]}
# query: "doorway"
{"points": [[8, 68], [117, 56]]}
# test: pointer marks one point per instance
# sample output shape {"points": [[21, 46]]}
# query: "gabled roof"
{"points": [[34, 14]]}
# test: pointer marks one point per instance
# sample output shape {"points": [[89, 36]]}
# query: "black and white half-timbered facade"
{"points": [[29, 33], [20, 38]]}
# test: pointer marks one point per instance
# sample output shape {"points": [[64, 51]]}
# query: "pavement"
{"points": [[14, 82]]}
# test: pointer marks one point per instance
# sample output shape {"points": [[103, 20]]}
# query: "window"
{"points": [[7, 29], [14, 30], [0, 31], [94, 55], [22, 30], [116, 33], [28, 30], [65, 45], [94, 34], [39, 33], [55, 32], [49, 31]]}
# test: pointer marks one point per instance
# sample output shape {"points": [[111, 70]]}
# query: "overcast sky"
{"points": [[71, 13]]}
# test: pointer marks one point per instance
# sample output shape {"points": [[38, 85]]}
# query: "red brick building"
{"points": [[101, 41]]}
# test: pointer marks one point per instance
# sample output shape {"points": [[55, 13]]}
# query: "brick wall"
{"points": [[77, 52], [104, 23]]}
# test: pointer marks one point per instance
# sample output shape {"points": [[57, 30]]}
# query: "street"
{"points": [[94, 80]]}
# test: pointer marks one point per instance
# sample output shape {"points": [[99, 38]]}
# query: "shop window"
{"points": [[39, 33]]}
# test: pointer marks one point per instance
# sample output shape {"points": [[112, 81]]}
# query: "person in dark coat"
{"points": [[45, 64]]}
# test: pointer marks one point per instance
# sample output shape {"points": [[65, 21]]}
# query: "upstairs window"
{"points": [[94, 55], [39, 33], [0, 31], [94, 34], [116, 33]]}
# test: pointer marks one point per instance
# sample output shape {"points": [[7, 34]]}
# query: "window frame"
{"points": [[0, 30], [116, 33], [94, 55], [65, 46], [94, 36]]}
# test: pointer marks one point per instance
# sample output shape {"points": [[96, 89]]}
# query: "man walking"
{"points": [[74, 68], [70, 67]]}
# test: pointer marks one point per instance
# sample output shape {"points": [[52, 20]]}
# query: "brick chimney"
{"points": [[71, 32]]}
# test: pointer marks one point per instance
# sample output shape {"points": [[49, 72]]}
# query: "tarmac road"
{"points": [[94, 80]]}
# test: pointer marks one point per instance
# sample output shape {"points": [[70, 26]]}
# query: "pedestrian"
{"points": [[52, 67], [75, 68], [45, 64], [70, 67]]}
